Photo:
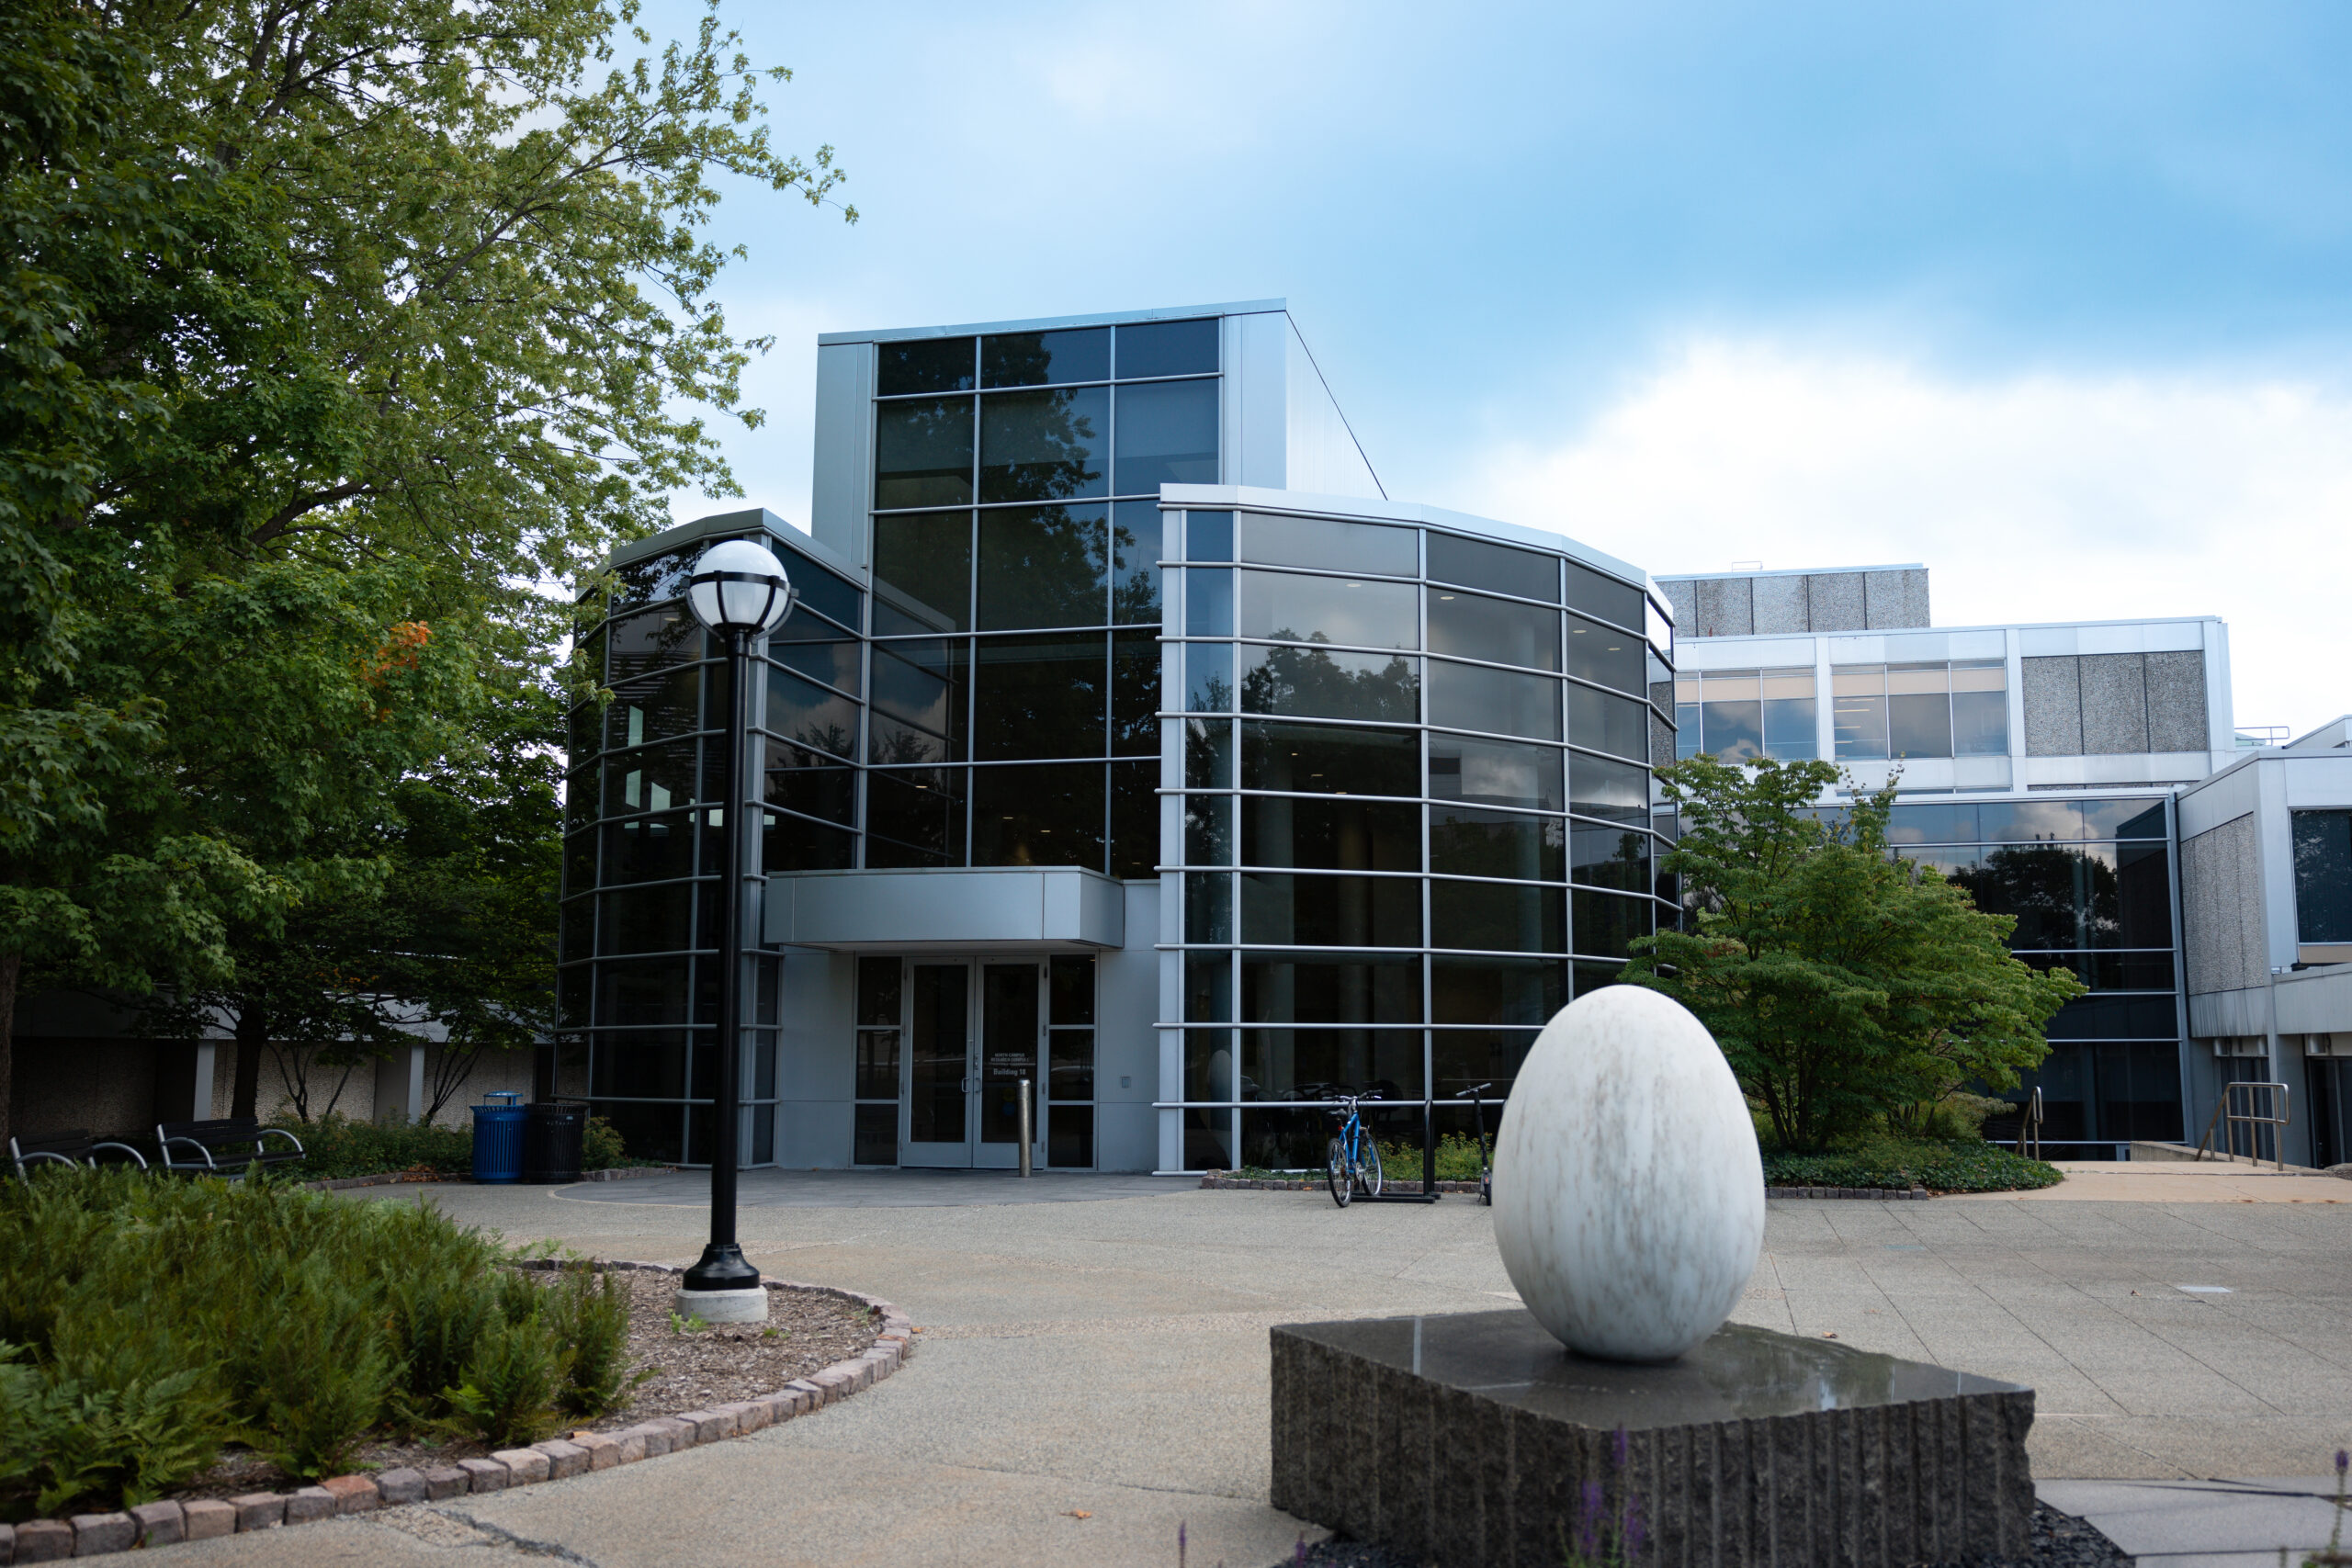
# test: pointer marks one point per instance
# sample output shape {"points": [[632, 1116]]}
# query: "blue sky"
{"points": [[2053, 299]]}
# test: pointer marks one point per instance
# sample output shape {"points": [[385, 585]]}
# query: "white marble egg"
{"points": [[1629, 1197]]}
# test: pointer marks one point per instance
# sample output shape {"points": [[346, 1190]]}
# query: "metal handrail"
{"points": [[2030, 1125], [2230, 1119]]}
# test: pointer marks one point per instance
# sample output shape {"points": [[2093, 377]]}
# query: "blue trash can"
{"points": [[498, 1138]]}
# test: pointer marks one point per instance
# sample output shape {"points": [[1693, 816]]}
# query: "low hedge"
{"points": [[1971, 1165], [337, 1146], [145, 1322]]}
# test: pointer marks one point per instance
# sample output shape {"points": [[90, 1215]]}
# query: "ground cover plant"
{"points": [[144, 1323], [1885, 1161]]}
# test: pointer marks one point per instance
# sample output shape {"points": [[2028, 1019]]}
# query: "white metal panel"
{"points": [[2317, 1001], [1323, 453], [2218, 800], [1743, 652], [2125, 768], [1256, 393], [2317, 783], [841, 480], [2275, 853], [943, 909]]}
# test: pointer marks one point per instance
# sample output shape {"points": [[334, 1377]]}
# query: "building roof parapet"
{"points": [[1056, 324]]}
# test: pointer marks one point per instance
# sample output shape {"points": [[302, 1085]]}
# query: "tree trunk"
{"points": [[11, 965], [253, 1032]]}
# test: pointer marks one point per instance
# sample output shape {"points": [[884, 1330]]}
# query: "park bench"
{"points": [[191, 1147], [65, 1149]]}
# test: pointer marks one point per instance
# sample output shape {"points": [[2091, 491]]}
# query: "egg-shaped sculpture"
{"points": [[1629, 1197]]}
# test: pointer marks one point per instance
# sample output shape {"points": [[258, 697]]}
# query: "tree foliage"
{"points": [[1843, 984], [329, 329]]}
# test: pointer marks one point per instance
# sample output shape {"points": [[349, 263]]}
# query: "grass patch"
{"points": [[146, 1321], [1968, 1166]]}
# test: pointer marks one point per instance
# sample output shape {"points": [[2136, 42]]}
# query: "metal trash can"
{"points": [[553, 1141], [498, 1138]]}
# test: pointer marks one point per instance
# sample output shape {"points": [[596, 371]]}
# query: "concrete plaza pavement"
{"points": [[1092, 1368]]}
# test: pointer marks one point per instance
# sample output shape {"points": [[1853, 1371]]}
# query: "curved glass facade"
{"points": [[1416, 815]]}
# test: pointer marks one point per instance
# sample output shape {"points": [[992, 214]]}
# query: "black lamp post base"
{"points": [[721, 1268]]}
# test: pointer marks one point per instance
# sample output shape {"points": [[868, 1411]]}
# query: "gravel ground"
{"points": [[806, 1332], [2060, 1541]]}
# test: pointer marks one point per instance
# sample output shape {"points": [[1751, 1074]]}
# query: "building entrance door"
{"points": [[974, 1030]]}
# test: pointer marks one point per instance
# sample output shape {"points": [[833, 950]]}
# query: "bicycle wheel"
{"points": [[1368, 1167], [1337, 1171], [1486, 1188]]}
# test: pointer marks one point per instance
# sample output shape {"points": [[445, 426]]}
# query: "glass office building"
{"points": [[1127, 742]]}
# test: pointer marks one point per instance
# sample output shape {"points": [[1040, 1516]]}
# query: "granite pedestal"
{"points": [[1475, 1440]]}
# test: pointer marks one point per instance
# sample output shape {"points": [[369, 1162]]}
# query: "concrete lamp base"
{"points": [[722, 1306]]}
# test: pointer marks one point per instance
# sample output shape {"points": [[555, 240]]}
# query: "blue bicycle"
{"points": [[1353, 1161]]}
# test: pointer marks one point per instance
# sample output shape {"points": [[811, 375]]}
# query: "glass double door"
{"points": [[977, 1030]]}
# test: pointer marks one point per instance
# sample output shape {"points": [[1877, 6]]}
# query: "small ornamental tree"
{"points": [[1842, 983]]}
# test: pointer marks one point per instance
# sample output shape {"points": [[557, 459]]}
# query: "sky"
{"points": [[2055, 299]]}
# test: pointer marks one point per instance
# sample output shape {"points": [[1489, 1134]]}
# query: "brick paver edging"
{"points": [[157, 1524], [1235, 1183]]}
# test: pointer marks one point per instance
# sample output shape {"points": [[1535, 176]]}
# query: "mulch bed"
{"points": [[806, 1332], [2060, 1541]]}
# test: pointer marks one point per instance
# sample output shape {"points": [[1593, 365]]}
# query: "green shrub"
{"points": [[1457, 1159], [336, 1146], [1964, 1166], [590, 1314], [506, 1396], [601, 1149], [144, 1321]]}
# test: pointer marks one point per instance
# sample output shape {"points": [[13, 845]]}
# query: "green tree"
{"points": [[323, 322], [1842, 982]]}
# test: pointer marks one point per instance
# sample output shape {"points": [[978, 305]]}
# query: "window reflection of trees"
{"points": [[1312, 682], [2062, 897], [1044, 445]]}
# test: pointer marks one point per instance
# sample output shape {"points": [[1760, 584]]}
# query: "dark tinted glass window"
{"points": [[1608, 724], [1167, 349], [1045, 445], [1308, 1063], [650, 641], [644, 991], [919, 700], [654, 708], [2022, 821], [1497, 990], [1611, 857], [2122, 818], [812, 715], [1280, 909], [1073, 989], [1501, 702], [647, 919], [1208, 601], [1134, 820], [1493, 629], [834, 663], [1313, 759], [922, 453], [1604, 655], [1604, 596], [1314, 683], [1208, 753], [579, 863], [1494, 772], [914, 818], [1134, 694], [1497, 917], [1610, 790], [1039, 696], [1330, 834], [789, 843], [1282, 988], [2323, 875], [1496, 567], [649, 849], [1208, 535], [2115, 1017], [1039, 815], [1463, 1057], [1167, 436], [1327, 544], [1605, 922], [1045, 359], [927, 365], [922, 572], [643, 1065], [1209, 831], [823, 592], [813, 791], [1932, 823], [651, 779], [1292, 607], [657, 577], [1208, 677], [1042, 566], [1135, 568], [1469, 842]]}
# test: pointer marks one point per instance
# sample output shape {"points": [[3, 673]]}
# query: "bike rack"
{"points": [[1429, 1193], [2227, 1117]]}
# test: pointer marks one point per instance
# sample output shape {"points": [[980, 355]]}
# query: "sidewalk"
{"points": [[2205, 1524], [2175, 1181]]}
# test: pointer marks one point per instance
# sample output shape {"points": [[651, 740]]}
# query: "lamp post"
{"points": [[740, 592]]}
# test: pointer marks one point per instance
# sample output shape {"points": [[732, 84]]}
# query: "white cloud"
{"points": [[2043, 498]]}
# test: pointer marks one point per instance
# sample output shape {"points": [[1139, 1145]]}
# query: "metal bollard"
{"points": [[1028, 1126]]}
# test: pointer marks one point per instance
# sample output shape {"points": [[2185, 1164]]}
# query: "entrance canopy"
{"points": [[1059, 909]]}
